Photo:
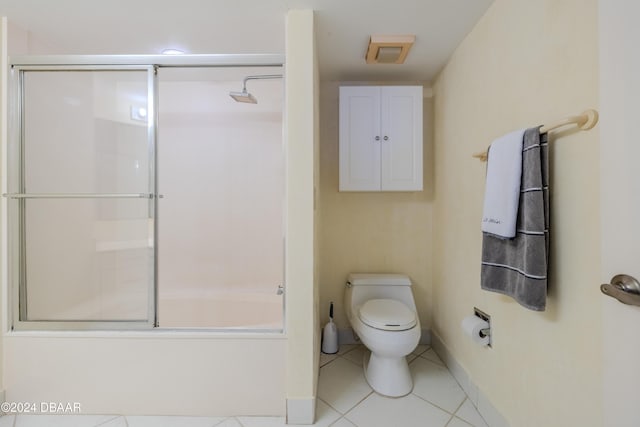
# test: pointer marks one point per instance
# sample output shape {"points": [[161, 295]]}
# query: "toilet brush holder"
{"points": [[330, 335]]}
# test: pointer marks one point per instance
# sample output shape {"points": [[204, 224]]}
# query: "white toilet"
{"points": [[382, 312]]}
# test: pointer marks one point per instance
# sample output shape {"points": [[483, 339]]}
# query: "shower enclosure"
{"points": [[143, 196], [220, 215]]}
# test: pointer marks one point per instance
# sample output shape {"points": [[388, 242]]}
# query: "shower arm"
{"points": [[259, 77]]}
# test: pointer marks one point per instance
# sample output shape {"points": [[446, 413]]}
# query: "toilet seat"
{"points": [[387, 315]]}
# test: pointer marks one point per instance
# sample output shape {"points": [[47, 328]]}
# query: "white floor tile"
{"points": [[470, 414], [342, 385], [431, 355], [62, 420], [156, 421], [490, 413], [7, 420], [346, 348], [435, 383], [420, 349], [326, 358], [262, 421], [116, 422], [457, 422], [411, 357], [325, 415], [357, 355], [343, 422], [408, 411], [229, 422]]}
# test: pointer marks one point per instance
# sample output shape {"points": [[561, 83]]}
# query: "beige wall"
{"points": [[371, 232], [24, 42], [301, 140], [525, 63], [3, 230]]}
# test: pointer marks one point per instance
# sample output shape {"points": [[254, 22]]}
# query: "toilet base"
{"points": [[388, 376]]}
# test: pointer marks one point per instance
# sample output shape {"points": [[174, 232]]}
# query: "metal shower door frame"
{"points": [[17, 286], [16, 213]]}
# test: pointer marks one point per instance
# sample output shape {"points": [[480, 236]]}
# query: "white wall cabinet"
{"points": [[380, 138]]}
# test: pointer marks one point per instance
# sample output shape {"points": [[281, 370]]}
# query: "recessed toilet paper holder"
{"points": [[486, 332]]}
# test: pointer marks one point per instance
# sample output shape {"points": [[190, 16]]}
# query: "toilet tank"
{"points": [[369, 279], [363, 287]]}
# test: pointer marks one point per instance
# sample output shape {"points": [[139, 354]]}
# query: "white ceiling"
{"points": [[343, 28]]}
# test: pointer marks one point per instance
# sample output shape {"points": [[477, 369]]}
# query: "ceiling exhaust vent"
{"points": [[389, 49]]}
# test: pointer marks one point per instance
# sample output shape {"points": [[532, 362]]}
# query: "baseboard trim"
{"points": [[484, 406], [301, 411]]}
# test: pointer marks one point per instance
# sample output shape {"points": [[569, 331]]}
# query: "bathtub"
{"points": [[221, 310], [203, 351]]}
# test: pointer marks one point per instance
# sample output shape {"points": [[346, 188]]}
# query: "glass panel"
{"points": [[221, 172], [85, 132], [88, 259], [84, 265]]}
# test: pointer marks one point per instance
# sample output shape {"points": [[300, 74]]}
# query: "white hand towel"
{"points": [[502, 191]]}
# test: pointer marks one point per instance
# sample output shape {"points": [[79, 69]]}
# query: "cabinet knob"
{"points": [[386, 138], [377, 138]]}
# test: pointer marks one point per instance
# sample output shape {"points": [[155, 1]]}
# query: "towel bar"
{"points": [[585, 121]]}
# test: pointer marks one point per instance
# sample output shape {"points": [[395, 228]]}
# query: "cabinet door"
{"points": [[401, 138], [359, 149]]}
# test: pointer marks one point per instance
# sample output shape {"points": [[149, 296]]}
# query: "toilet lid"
{"points": [[387, 314]]}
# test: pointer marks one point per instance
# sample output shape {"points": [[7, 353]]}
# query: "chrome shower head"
{"points": [[243, 96]]}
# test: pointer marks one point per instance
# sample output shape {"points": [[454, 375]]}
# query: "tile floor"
{"points": [[344, 400]]}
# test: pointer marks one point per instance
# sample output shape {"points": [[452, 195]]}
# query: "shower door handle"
{"points": [[624, 288], [78, 195]]}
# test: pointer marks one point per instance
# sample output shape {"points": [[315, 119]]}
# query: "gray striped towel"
{"points": [[517, 267]]}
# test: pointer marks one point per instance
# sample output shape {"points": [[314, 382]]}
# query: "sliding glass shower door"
{"points": [[81, 201], [221, 176], [142, 196]]}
